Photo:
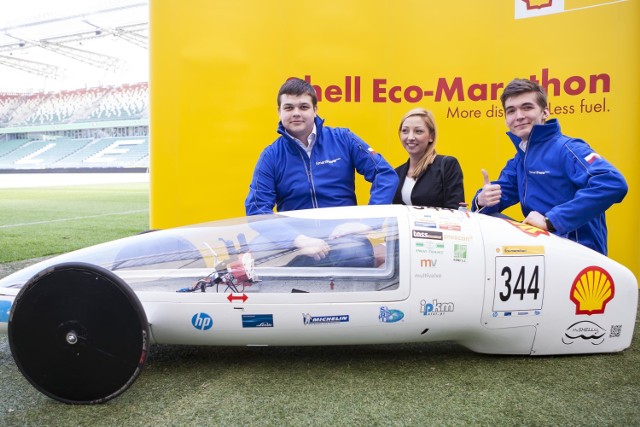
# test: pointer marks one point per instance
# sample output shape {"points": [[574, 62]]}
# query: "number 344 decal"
{"points": [[519, 283]]}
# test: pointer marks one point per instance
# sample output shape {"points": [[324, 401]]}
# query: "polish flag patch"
{"points": [[592, 157], [372, 151]]}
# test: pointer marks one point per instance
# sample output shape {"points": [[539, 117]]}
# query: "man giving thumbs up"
{"points": [[561, 183]]}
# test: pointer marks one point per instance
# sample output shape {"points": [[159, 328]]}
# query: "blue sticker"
{"points": [[5, 308], [202, 321], [388, 315], [425, 224], [308, 319], [257, 320]]}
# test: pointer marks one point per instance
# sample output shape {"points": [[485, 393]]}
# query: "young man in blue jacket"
{"points": [[563, 186], [313, 166]]}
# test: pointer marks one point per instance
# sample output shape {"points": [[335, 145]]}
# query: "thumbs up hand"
{"points": [[490, 194]]}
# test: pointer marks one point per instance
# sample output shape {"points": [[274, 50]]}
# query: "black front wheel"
{"points": [[78, 333]]}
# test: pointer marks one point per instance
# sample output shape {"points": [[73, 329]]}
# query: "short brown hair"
{"points": [[519, 86], [295, 86]]}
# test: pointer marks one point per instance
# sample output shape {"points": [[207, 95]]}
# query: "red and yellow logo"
{"points": [[537, 4], [527, 229], [592, 289]]}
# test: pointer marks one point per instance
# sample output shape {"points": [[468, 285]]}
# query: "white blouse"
{"points": [[407, 188]]}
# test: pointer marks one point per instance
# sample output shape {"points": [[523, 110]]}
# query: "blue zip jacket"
{"points": [[285, 177], [563, 179]]}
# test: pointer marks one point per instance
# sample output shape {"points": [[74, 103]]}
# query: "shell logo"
{"points": [[592, 289], [527, 229], [538, 4]]}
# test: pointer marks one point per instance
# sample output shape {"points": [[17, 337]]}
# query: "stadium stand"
{"points": [[9, 146], [107, 152], [85, 129], [124, 102], [8, 104]]}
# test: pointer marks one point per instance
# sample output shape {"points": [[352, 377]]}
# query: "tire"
{"points": [[78, 333]]}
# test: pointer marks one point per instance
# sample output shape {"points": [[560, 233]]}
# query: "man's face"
{"points": [[522, 112], [297, 114]]}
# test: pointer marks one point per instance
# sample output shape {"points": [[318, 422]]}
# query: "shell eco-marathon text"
{"points": [[452, 88]]}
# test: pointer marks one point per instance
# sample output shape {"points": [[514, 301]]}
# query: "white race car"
{"points": [[80, 324]]}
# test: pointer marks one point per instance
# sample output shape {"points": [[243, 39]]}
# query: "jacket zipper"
{"points": [[307, 168], [526, 178], [524, 168]]}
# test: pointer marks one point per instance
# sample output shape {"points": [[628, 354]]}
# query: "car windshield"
{"points": [[275, 252]]}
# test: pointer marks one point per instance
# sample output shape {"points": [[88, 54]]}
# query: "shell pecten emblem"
{"points": [[592, 289], [537, 4]]}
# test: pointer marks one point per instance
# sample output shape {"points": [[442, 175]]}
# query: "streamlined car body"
{"points": [[388, 274]]}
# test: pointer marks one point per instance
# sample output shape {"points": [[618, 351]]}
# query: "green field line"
{"points": [[38, 222], [25, 224]]}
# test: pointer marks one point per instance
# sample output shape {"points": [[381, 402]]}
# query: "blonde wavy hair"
{"points": [[430, 154]]}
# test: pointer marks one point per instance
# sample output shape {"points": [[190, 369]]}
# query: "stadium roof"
{"points": [[51, 45]]}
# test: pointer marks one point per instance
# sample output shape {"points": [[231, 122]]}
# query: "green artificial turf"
{"points": [[435, 384], [37, 222]]}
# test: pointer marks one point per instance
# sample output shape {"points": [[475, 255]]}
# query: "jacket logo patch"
{"points": [[328, 162]]}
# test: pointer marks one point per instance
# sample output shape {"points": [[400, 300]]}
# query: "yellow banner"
{"points": [[216, 68]]}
